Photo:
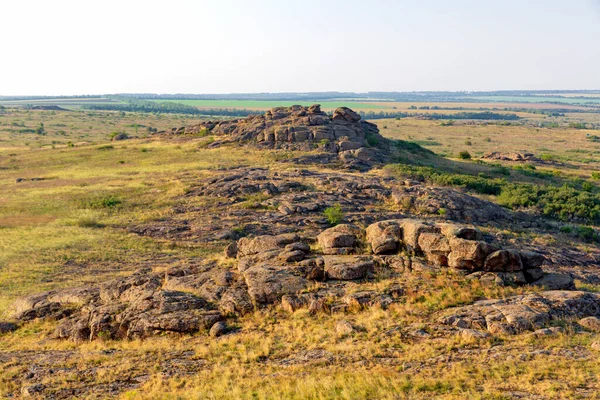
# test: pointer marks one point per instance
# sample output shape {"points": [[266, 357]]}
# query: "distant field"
{"points": [[69, 102], [267, 104], [536, 99]]}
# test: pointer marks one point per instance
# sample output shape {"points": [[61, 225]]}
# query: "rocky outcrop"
{"points": [[462, 248], [524, 313], [449, 203], [357, 142], [274, 269], [512, 156]]}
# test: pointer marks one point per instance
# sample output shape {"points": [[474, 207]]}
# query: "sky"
{"points": [[69, 47]]}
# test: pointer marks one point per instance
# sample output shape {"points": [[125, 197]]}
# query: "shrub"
{"points": [[372, 140], [548, 157], [101, 202], [586, 233], [89, 223], [464, 155], [334, 214]]}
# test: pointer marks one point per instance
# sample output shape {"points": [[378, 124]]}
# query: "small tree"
{"points": [[334, 214]]}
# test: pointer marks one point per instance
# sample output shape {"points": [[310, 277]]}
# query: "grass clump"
{"points": [[585, 233], [101, 201], [334, 214]]}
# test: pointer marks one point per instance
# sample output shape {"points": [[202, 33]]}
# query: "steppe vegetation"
{"points": [[71, 196]]}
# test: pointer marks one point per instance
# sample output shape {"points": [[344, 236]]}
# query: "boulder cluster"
{"points": [[356, 142], [441, 244], [278, 269]]}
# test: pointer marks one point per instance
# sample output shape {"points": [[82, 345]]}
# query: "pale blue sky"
{"points": [[185, 46]]}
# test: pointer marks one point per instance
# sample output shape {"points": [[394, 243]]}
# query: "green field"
{"points": [[536, 99], [266, 104], [62, 102]]}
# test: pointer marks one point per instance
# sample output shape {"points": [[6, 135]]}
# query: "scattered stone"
{"points": [[553, 331], [33, 390], [454, 205], [6, 327], [514, 156], [555, 282], [590, 323], [218, 329], [343, 328], [472, 334]]}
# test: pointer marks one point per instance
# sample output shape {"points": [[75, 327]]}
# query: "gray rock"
{"points": [[6, 327], [347, 267], [218, 329], [590, 323], [555, 282]]}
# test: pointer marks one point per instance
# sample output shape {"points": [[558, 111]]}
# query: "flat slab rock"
{"points": [[136, 306], [524, 313]]}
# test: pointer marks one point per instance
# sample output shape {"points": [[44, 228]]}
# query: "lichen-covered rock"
{"points": [[411, 229], [532, 259], [555, 282], [452, 204], [384, 237], [468, 255], [260, 244], [590, 323], [525, 312], [347, 267], [268, 283], [503, 261], [435, 246], [341, 239]]}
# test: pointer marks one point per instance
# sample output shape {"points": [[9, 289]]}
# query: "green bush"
{"points": [[101, 202], [464, 155], [565, 203], [334, 214], [372, 140]]}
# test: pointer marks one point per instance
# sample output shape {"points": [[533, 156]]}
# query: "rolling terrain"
{"points": [[299, 253]]}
